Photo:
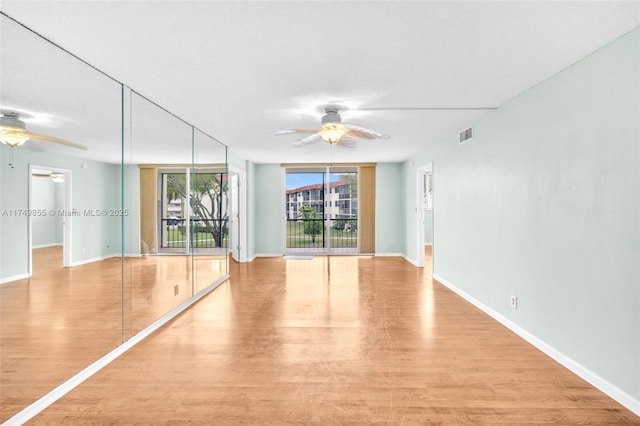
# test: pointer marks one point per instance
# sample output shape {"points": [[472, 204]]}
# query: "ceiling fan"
{"points": [[333, 131], [13, 133]]}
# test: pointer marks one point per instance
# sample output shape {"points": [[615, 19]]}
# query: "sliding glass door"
{"points": [[321, 205], [173, 233], [192, 210]]}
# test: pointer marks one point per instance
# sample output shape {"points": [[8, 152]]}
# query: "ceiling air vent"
{"points": [[466, 135]]}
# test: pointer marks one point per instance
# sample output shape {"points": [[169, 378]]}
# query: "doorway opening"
{"points": [[424, 223], [49, 218], [321, 210]]}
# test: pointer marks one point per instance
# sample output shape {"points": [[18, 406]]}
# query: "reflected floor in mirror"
{"points": [[334, 340], [62, 319]]}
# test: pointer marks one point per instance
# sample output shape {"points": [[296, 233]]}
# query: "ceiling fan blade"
{"points": [[347, 142], [307, 140], [371, 134], [359, 134], [52, 139], [289, 131]]}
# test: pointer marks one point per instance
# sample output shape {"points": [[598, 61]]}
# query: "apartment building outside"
{"points": [[339, 202]]}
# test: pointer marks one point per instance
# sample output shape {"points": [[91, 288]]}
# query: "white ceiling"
{"points": [[241, 70]]}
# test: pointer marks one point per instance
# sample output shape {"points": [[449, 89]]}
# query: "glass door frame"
{"points": [[187, 220], [330, 207], [161, 208]]}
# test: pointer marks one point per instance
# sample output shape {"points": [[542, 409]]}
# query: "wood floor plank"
{"points": [[341, 340], [60, 320]]}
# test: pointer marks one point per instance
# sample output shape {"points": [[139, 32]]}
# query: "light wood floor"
{"points": [[60, 320], [341, 340]]}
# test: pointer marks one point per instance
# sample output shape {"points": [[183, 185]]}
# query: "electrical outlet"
{"points": [[514, 302]]}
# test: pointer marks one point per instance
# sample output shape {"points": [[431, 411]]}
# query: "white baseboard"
{"points": [[14, 278], [95, 259], [39, 405], [267, 255], [388, 255], [47, 245], [589, 376], [410, 260]]}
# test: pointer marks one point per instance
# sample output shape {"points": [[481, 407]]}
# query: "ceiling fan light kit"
{"points": [[57, 177], [334, 131], [332, 128], [12, 131], [331, 133]]}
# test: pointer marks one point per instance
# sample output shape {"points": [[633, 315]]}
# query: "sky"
{"points": [[296, 180]]}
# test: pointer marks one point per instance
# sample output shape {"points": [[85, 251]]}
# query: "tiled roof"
{"points": [[315, 186]]}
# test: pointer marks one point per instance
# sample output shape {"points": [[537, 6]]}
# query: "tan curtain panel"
{"points": [[148, 210], [367, 208]]}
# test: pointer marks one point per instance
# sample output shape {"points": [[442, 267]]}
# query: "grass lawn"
{"points": [[175, 239], [296, 238]]}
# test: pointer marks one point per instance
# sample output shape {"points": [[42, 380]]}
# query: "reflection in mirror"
{"points": [[60, 234], [99, 231], [209, 195], [157, 153]]}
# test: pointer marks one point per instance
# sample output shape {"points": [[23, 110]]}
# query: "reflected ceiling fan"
{"points": [[13, 132], [333, 131]]}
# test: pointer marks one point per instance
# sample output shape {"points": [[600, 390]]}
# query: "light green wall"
{"points": [[269, 209], [95, 187], [390, 238], [543, 204], [46, 230], [234, 160], [14, 190]]}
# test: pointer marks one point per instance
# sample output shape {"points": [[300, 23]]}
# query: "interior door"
{"points": [[234, 218]]}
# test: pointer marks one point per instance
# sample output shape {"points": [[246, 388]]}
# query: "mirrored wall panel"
{"points": [[113, 212], [60, 223], [157, 154], [209, 197]]}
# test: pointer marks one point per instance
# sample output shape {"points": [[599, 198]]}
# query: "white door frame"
{"points": [[239, 248], [66, 215], [420, 171]]}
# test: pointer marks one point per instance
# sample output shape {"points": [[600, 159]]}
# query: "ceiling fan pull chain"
{"points": [[333, 153], [11, 158]]}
